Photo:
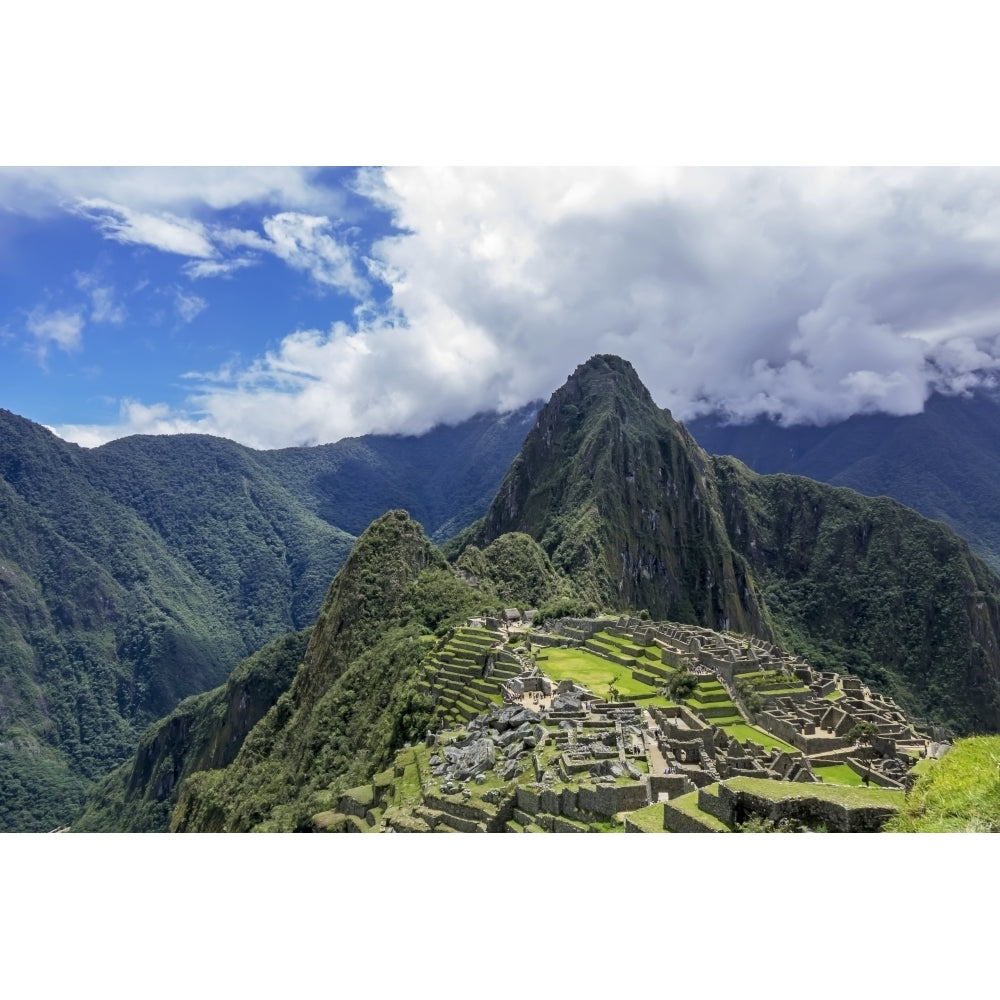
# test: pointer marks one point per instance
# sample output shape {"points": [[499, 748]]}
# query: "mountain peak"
{"points": [[607, 374], [621, 500]]}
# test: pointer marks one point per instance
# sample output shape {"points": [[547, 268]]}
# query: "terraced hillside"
{"points": [[569, 728], [463, 677]]}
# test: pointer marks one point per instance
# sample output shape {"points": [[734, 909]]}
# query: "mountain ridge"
{"points": [[943, 462]]}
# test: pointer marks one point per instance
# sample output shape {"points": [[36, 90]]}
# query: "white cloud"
{"points": [[217, 268], [104, 307], [303, 242], [134, 418], [62, 328], [188, 306], [808, 295], [164, 231], [37, 190]]}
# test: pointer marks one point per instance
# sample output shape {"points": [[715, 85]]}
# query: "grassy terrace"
{"points": [[743, 732], [455, 677], [712, 700], [780, 791], [649, 819], [688, 804], [838, 774]]}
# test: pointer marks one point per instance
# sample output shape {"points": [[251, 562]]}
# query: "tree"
{"points": [[680, 685], [612, 690], [863, 735]]}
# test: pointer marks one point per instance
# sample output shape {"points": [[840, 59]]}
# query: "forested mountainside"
{"points": [[204, 731], [611, 501], [139, 573], [444, 478], [943, 462]]}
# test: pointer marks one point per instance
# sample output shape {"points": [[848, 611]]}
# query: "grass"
{"points": [[923, 766], [779, 791], [743, 732], [838, 774], [592, 672], [959, 794], [834, 695], [649, 819]]}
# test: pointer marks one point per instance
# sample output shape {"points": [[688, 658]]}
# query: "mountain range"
{"points": [[943, 462], [609, 504]]}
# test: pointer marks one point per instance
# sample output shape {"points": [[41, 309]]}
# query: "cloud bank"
{"points": [[804, 295]]}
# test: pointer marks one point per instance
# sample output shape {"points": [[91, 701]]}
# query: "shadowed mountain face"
{"points": [[444, 478], [943, 462]]}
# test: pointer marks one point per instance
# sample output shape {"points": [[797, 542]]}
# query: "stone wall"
{"points": [[883, 781], [713, 805], [459, 809], [528, 800], [672, 657], [606, 800], [784, 730], [672, 785], [560, 825], [741, 805], [539, 639]]}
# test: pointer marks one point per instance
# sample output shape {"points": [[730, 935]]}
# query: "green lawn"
{"points": [[744, 732], [838, 774], [592, 672]]}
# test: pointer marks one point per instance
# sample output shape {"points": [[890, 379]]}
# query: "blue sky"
{"points": [[123, 288], [295, 306]]}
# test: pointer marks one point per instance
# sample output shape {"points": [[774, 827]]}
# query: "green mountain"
{"points": [[140, 573], [354, 700], [609, 501], [445, 478], [943, 462], [624, 503]]}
